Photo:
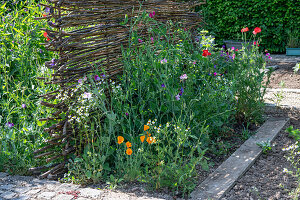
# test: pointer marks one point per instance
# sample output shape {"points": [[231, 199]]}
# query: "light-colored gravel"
{"points": [[30, 188]]}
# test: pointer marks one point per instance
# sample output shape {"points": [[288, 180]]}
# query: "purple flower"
{"points": [[47, 10], [41, 51], [103, 75], [215, 66], [194, 62], [181, 91], [9, 124], [223, 46], [267, 54], [52, 62], [215, 74], [177, 97], [97, 78], [152, 39], [163, 85], [163, 61], [270, 57], [197, 39], [126, 114], [80, 81], [232, 48], [23, 105], [183, 77], [140, 40]]}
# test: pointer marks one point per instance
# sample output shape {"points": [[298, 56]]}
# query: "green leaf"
{"points": [[88, 174]]}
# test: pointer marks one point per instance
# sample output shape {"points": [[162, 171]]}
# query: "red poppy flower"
{"points": [[206, 53], [46, 36], [245, 30], [256, 30]]}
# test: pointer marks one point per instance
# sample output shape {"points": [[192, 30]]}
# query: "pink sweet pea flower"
{"points": [[151, 15], [163, 61], [183, 77], [152, 39]]}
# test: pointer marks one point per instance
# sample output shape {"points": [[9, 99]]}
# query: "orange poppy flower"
{"points": [[142, 138], [128, 144], [120, 139], [146, 127], [151, 140], [129, 151], [148, 134]]}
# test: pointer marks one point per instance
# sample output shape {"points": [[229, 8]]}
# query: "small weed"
{"points": [[266, 146], [278, 96]]}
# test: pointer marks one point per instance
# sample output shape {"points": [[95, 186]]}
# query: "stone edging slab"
{"points": [[224, 177]]}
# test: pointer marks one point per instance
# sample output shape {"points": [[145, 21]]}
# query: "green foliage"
{"points": [[225, 18], [21, 61], [180, 97], [293, 157], [170, 104], [295, 133]]}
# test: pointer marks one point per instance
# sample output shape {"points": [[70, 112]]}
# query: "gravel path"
{"points": [[30, 188], [284, 58]]}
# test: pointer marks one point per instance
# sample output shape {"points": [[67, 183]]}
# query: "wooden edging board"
{"points": [[224, 177]]}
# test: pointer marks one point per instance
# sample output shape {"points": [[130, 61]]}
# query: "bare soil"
{"points": [[286, 74], [266, 179]]}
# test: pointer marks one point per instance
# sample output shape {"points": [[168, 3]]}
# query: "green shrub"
{"points": [[225, 18]]}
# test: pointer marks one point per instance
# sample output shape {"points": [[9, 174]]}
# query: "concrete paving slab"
{"points": [[225, 176]]}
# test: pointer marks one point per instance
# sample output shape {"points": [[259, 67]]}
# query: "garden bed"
{"points": [[229, 143], [266, 179]]}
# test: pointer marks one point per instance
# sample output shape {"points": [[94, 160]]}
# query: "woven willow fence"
{"points": [[85, 32]]}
